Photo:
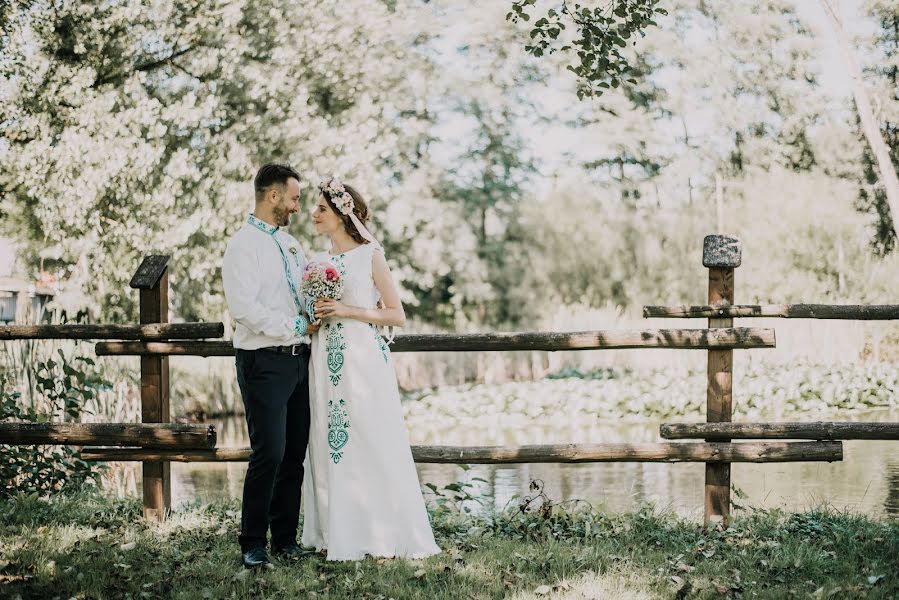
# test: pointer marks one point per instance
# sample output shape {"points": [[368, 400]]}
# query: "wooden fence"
{"points": [[156, 442]]}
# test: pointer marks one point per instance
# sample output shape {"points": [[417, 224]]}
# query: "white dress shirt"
{"points": [[257, 291]]}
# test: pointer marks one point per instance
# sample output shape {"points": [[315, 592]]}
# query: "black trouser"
{"points": [[275, 390]]}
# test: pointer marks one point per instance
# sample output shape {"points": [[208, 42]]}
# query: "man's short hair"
{"points": [[270, 174]]}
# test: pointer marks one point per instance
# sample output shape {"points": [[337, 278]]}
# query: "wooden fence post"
{"points": [[152, 279], [721, 255]]}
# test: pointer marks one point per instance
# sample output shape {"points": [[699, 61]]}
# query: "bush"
{"points": [[63, 387]]}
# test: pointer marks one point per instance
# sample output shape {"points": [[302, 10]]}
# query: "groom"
{"points": [[261, 271]]}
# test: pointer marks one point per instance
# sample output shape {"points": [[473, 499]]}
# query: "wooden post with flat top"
{"points": [[152, 279], [721, 255]]}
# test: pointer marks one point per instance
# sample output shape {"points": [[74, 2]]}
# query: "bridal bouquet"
{"points": [[322, 280]]}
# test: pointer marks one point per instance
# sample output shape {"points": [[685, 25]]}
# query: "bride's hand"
{"points": [[328, 307]]}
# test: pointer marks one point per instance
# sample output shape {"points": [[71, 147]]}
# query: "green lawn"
{"points": [[87, 546]]}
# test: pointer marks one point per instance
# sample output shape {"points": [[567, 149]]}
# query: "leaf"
{"points": [[684, 567]]}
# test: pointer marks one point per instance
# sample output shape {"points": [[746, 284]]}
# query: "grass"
{"points": [[88, 546]]}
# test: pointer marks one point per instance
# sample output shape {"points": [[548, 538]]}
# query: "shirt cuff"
{"points": [[300, 326]]}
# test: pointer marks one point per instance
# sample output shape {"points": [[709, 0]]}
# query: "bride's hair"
{"points": [[360, 209]]}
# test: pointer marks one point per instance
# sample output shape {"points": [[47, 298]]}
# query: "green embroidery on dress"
{"points": [[338, 262], [338, 423], [335, 346], [385, 351]]}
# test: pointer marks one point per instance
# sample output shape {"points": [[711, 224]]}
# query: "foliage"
{"points": [[127, 131], [602, 33], [169, 111], [63, 386]]}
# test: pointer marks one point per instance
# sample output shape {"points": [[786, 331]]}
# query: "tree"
{"points": [[129, 131], [624, 133], [489, 194], [879, 193], [469, 251]]}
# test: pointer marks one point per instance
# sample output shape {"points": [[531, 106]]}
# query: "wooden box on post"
{"points": [[152, 279], [721, 254]]}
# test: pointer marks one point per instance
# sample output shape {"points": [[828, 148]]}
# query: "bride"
{"points": [[361, 491]]}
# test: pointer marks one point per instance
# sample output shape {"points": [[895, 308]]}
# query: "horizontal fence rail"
{"points": [[110, 331], [810, 431], [758, 452], [156, 442], [859, 312], [166, 436], [684, 339]]}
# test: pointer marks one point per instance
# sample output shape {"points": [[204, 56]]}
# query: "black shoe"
{"points": [[255, 557], [292, 551]]}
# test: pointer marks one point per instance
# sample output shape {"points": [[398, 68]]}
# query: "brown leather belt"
{"points": [[295, 350]]}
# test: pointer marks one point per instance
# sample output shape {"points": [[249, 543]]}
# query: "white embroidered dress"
{"points": [[361, 492]]}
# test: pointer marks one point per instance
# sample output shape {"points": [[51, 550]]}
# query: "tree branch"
{"points": [[149, 66]]}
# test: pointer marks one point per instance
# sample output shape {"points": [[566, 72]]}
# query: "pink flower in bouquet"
{"points": [[322, 280]]}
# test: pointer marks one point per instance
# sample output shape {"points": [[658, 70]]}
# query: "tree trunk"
{"points": [[870, 127]]}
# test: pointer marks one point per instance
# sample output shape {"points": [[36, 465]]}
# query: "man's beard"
{"points": [[282, 216]]}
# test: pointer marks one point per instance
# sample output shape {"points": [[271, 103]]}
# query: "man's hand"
{"points": [[313, 327]]}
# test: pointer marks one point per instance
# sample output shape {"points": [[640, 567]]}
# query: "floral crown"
{"points": [[336, 193]]}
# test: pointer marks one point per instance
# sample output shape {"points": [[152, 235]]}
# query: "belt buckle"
{"points": [[294, 350]]}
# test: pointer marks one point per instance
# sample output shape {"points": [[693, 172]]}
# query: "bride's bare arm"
{"points": [[392, 313]]}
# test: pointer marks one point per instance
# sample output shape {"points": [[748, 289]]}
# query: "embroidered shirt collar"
{"points": [[262, 225]]}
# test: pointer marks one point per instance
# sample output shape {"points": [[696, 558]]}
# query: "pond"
{"points": [[866, 481]]}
